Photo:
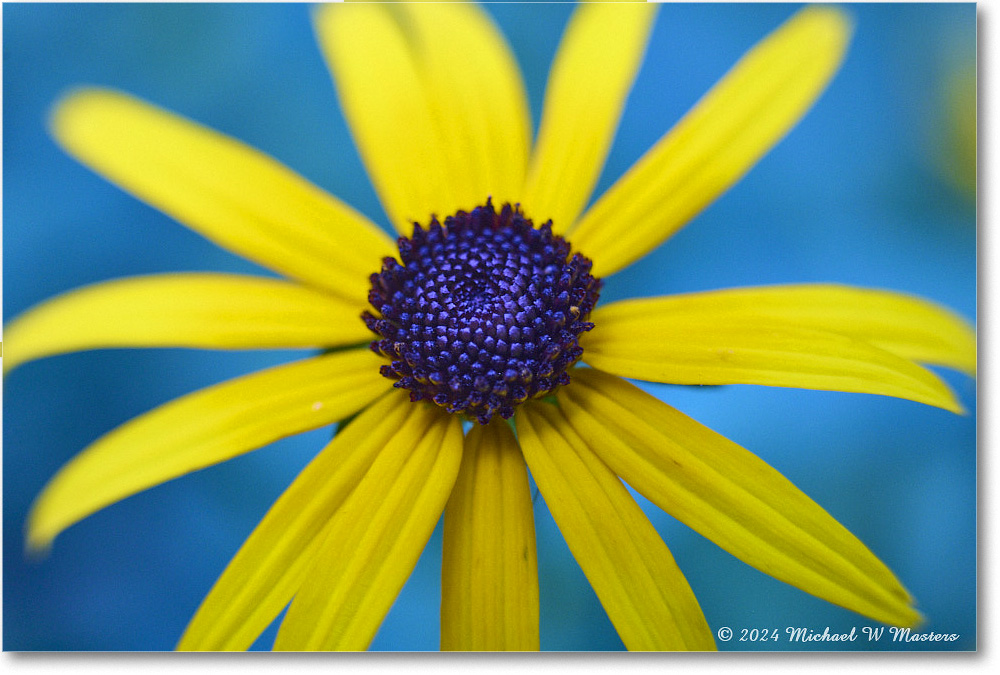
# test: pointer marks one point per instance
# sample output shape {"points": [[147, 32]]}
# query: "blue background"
{"points": [[855, 194]]}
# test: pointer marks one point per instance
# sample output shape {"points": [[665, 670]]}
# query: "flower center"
{"points": [[483, 313]]}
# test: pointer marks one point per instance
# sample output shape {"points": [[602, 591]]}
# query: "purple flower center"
{"points": [[481, 313]]}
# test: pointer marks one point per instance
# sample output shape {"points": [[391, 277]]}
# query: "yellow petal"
{"points": [[746, 113], [271, 565], [374, 540], [489, 570], [477, 96], [598, 58], [730, 496], [217, 311], [204, 428], [684, 349], [905, 325], [234, 195], [435, 102], [636, 579]]}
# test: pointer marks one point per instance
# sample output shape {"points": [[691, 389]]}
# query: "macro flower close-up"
{"points": [[456, 344]]}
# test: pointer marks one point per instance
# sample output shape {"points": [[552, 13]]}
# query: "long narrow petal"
{"points": [[718, 141], [374, 540], [271, 565], [204, 428], [644, 593], [905, 325], [730, 496], [218, 311], [591, 77], [434, 100], [684, 349], [234, 195], [479, 101], [384, 101], [489, 571]]}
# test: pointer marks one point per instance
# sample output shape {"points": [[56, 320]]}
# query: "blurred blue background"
{"points": [[867, 190]]}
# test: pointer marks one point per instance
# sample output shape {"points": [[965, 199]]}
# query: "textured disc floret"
{"points": [[481, 313]]}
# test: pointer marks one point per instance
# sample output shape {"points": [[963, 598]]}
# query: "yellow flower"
{"points": [[437, 107]]}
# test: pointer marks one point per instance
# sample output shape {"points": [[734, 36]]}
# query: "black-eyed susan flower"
{"points": [[486, 309]]}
